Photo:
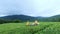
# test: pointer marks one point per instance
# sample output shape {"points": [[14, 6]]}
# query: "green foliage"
{"points": [[16, 21], [21, 28], [2, 21]]}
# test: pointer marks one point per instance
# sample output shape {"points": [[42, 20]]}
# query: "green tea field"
{"points": [[21, 28]]}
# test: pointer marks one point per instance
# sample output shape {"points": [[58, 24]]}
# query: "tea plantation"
{"points": [[21, 28]]}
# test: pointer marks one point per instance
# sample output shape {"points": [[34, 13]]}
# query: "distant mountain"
{"points": [[30, 18], [55, 18], [19, 17]]}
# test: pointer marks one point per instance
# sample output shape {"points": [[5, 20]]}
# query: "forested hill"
{"points": [[19, 17], [55, 18]]}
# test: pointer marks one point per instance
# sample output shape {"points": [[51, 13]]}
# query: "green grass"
{"points": [[21, 28]]}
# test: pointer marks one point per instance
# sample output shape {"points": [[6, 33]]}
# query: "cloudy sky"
{"points": [[43, 8]]}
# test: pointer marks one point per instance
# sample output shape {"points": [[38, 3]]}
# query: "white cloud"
{"points": [[30, 7]]}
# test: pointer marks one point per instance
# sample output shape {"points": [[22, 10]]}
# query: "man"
{"points": [[27, 23], [35, 23]]}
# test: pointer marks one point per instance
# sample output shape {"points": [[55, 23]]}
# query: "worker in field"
{"points": [[32, 24], [27, 23], [36, 22]]}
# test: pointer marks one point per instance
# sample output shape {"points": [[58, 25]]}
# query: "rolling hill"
{"points": [[19, 17], [30, 18]]}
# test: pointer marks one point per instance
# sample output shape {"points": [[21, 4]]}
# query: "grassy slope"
{"points": [[21, 28]]}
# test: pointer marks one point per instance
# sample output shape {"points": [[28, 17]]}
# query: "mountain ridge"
{"points": [[30, 18]]}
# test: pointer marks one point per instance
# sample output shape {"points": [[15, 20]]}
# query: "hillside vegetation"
{"points": [[24, 18]]}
